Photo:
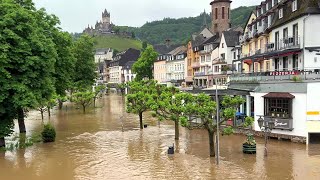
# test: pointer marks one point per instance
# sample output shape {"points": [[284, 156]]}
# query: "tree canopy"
{"points": [[143, 66]]}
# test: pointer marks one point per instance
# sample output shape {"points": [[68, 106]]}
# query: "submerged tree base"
{"points": [[2, 142]]}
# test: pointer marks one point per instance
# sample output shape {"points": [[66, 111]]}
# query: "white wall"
{"points": [[290, 30], [115, 74], [299, 105], [312, 37], [313, 99]]}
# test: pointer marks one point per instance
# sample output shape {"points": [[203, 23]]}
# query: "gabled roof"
{"points": [[178, 50], [304, 7], [129, 65], [102, 51], [213, 39], [198, 40], [126, 56], [164, 49], [231, 38]]}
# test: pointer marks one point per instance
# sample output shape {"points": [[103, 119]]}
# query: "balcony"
{"points": [[283, 44], [197, 74], [195, 65], [295, 75]]}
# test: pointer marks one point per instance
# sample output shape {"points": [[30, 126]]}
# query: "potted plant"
{"points": [[250, 146]]}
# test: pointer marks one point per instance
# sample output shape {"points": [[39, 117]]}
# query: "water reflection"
{"points": [[93, 146]]}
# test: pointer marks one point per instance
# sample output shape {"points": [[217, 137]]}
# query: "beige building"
{"points": [[159, 71]]}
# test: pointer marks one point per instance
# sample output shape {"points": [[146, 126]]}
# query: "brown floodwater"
{"points": [[93, 146]]}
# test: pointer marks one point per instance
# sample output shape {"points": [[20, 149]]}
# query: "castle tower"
{"points": [[105, 17], [220, 15]]}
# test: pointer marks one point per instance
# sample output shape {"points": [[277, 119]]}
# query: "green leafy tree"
{"points": [[28, 55], [140, 98], [7, 114], [204, 109], [84, 75], [83, 98], [143, 66], [98, 92], [144, 45], [170, 104], [64, 66]]}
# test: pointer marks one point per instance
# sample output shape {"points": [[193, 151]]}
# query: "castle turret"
{"points": [[106, 17], [220, 16]]}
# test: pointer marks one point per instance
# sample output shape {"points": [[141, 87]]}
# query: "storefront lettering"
{"points": [[283, 73], [276, 123]]}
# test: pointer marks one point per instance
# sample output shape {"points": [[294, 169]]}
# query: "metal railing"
{"points": [[285, 43], [294, 75]]}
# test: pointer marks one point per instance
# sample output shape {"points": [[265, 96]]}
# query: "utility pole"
{"points": [[217, 107]]}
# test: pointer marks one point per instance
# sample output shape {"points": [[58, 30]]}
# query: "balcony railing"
{"points": [[286, 43], [199, 74], [295, 75], [195, 64]]}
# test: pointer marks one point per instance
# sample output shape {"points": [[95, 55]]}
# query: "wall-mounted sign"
{"points": [[283, 73], [283, 123]]}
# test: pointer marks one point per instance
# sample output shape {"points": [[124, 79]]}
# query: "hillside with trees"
{"points": [[180, 30]]}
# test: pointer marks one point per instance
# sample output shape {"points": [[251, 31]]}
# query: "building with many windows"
{"points": [[175, 66], [120, 67], [280, 67]]}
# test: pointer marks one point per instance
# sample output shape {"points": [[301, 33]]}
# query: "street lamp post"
{"points": [[217, 104], [266, 127]]}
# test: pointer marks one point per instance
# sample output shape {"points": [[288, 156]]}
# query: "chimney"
{"points": [[168, 42]]}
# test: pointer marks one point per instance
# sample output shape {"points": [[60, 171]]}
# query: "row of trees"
{"points": [[168, 103], [38, 61]]}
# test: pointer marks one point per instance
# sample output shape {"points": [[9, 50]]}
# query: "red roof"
{"points": [[279, 95]]}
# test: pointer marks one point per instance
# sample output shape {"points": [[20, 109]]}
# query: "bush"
{"points": [[228, 131], [48, 133], [248, 121]]}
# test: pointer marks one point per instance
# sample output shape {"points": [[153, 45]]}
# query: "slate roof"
{"points": [[125, 56], [164, 49], [102, 51], [178, 50], [231, 38], [213, 39], [129, 65], [198, 40], [304, 7]]}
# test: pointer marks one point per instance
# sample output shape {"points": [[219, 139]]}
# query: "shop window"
{"points": [[278, 107]]}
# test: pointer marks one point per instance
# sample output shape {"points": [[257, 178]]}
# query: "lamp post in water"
{"points": [[266, 127], [217, 122]]}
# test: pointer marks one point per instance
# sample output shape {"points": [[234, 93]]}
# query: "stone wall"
{"points": [[295, 139]]}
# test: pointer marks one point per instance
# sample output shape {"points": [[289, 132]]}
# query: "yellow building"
{"points": [[254, 43]]}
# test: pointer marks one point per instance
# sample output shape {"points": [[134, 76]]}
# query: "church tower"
{"points": [[220, 16], [106, 17]]}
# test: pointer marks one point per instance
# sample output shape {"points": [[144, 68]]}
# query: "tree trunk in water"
{"points": [[60, 104], [94, 102], [176, 129], [22, 126], [49, 113], [211, 143], [140, 118], [84, 108], [2, 142], [41, 114]]}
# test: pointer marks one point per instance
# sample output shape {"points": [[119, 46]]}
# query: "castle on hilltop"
{"points": [[104, 26]]}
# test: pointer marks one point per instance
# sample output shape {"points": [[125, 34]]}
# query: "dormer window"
{"points": [[280, 13], [294, 5]]}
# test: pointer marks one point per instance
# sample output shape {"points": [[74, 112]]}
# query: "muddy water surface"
{"points": [[93, 146]]}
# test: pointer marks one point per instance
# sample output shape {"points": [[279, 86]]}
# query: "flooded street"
{"points": [[93, 146]]}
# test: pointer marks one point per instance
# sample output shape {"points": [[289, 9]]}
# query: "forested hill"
{"points": [[180, 30]]}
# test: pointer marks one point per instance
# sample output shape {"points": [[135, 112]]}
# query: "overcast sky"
{"points": [[77, 14]]}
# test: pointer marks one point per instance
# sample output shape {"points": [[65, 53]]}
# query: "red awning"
{"points": [[248, 61], [279, 95]]}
